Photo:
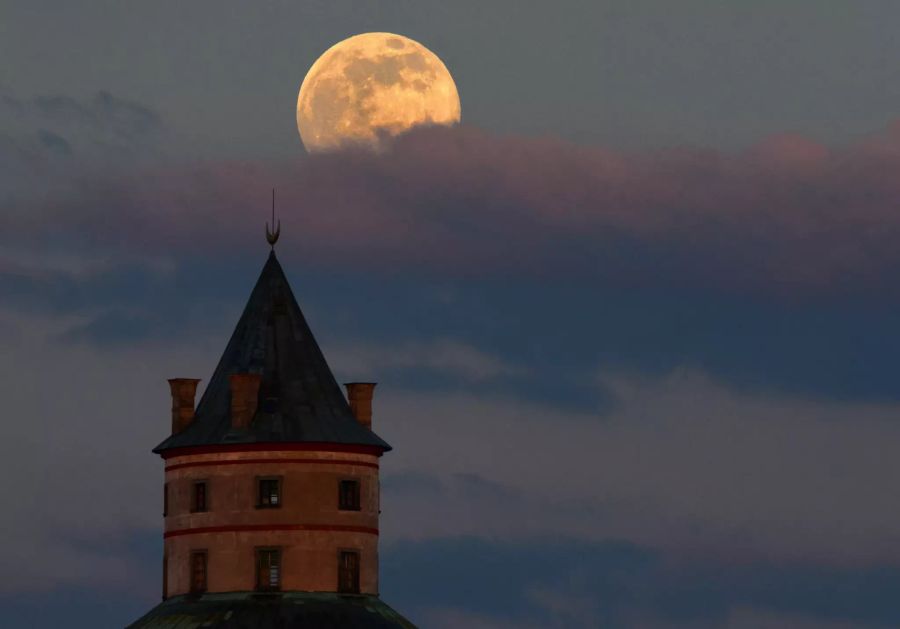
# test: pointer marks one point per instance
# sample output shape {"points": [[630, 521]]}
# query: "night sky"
{"points": [[635, 321]]}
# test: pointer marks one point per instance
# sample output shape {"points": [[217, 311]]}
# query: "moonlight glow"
{"points": [[370, 86]]}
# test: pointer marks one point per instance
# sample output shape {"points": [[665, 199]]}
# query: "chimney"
{"points": [[359, 394], [183, 392], [244, 398]]}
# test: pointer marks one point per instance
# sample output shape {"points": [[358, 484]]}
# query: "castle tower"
{"points": [[271, 496]]}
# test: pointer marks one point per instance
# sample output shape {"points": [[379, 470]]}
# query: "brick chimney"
{"points": [[359, 394], [244, 398], [183, 392]]}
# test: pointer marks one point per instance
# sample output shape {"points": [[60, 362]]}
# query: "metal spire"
{"points": [[272, 236]]}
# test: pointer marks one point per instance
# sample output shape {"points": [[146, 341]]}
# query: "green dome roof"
{"points": [[286, 610]]}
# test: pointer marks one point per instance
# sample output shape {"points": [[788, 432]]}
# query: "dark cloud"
{"points": [[85, 604], [103, 113], [788, 217], [109, 135], [55, 142], [565, 584], [681, 463], [112, 327], [787, 282]]}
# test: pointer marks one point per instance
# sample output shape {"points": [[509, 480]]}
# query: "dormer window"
{"points": [[348, 495], [269, 493], [199, 496]]}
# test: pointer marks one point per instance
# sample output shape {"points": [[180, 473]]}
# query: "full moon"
{"points": [[370, 87]]}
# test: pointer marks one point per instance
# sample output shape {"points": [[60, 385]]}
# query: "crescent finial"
{"points": [[272, 236]]}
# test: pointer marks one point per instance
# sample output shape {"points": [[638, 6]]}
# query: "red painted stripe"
{"points": [[273, 447], [178, 466], [271, 527]]}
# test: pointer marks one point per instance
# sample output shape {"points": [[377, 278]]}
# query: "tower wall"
{"points": [[308, 526]]}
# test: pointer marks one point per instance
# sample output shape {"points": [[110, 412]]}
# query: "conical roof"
{"points": [[299, 399]]}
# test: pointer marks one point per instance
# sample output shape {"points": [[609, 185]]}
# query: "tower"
{"points": [[271, 495]]}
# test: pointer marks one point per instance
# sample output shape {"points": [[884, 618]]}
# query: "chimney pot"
{"points": [[183, 392], [359, 395], [244, 398]]}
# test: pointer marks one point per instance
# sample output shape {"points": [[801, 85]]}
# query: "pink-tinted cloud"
{"points": [[786, 214]]}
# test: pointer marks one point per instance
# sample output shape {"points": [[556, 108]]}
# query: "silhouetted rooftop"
{"points": [[300, 401], [288, 610]]}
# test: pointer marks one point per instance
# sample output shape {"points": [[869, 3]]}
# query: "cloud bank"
{"points": [[681, 464], [786, 215]]}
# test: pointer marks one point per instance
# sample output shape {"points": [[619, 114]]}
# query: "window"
{"points": [[269, 493], [268, 569], [199, 497], [348, 572], [348, 499], [165, 577], [198, 571], [165, 499]]}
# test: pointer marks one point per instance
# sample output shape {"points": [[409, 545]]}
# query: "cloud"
{"points": [[561, 584], [759, 619], [786, 216], [55, 142], [681, 463], [453, 618], [52, 265], [48, 143], [442, 356], [105, 117], [76, 424]]}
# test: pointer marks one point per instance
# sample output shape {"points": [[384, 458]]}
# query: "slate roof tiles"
{"points": [[300, 401]]}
